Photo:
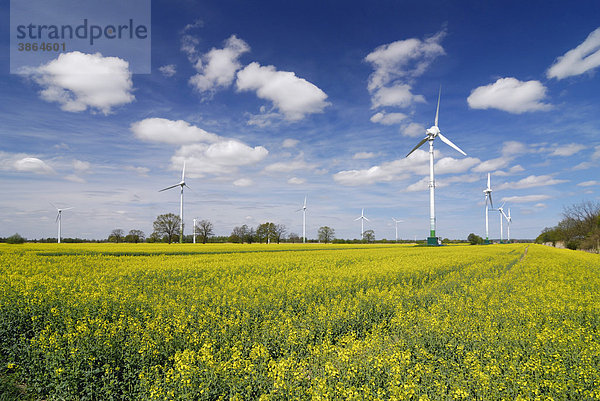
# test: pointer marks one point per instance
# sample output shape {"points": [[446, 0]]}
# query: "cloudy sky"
{"points": [[270, 101]]}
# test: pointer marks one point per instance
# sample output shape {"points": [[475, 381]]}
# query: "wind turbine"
{"points": [[362, 219], [181, 184], [488, 199], [194, 230], [59, 218], [396, 222], [508, 221], [303, 208], [430, 135]]}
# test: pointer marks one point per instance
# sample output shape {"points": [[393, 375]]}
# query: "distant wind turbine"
{"points": [[431, 134], [59, 219], [181, 184], [488, 199], [362, 219], [508, 221], [396, 223], [303, 208], [194, 230]]}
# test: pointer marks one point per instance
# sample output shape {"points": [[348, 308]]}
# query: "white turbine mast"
{"points": [[396, 224], [430, 135], [362, 219], [59, 219], [303, 208], [180, 184], [194, 230], [488, 200]]}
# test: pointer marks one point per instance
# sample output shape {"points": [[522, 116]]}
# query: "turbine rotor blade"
{"points": [[69, 208], [172, 186], [449, 143], [437, 111], [366, 218], [491, 202], [57, 217], [418, 145], [489, 181]]}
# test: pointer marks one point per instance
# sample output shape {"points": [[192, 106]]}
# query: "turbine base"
{"points": [[434, 241]]}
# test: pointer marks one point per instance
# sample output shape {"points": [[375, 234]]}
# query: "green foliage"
{"points": [[15, 239], [299, 322], [326, 234], [579, 228], [475, 239]]}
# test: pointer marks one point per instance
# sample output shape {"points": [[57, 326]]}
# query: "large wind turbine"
{"points": [[362, 219], [430, 135], [508, 221], [488, 199], [303, 208], [181, 184], [396, 223], [59, 219]]}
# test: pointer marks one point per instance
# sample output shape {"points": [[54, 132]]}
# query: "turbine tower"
{"points": [[488, 199], [430, 135], [181, 184], [59, 219], [303, 208], [396, 223], [362, 219], [194, 230]]}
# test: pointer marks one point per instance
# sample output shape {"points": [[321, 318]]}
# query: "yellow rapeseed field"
{"points": [[194, 322]]}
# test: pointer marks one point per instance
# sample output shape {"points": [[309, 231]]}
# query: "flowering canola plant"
{"points": [[194, 322]]}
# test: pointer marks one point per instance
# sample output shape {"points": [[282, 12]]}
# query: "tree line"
{"points": [[578, 229]]}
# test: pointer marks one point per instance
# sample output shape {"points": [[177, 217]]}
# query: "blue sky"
{"points": [[270, 101]]}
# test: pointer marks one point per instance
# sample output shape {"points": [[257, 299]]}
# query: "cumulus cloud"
{"points": [[492, 164], [219, 158], [290, 143], [579, 60], [243, 182], [588, 183], [297, 164], [217, 68], [413, 130], [81, 166], [78, 81], [511, 95], [525, 199], [168, 131], [296, 181], [567, 150], [168, 70], [32, 165], [292, 96], [399, 95], [143, 171], [404, 59], [388, 118], [531, 182], [513, 148], [363, 155], [450, 165], [513, 170]]}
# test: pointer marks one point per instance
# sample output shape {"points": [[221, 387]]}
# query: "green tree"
{"points": [[135, 236], [116, 235], [166, 226], [475, 239], [15, 239], [369, 236], [204, 228], [326, 234]]}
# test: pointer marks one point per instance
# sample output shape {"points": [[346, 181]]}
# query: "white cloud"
{"points": [[173, 132], [75, 178], [388, 118], [81, 166], [399, 95], [513, 170], [511, 95], [404, 59], [413, 130], [296, 181], [243, 182], [525, 199], [596, 154], [588, 183], [579, 60], [513, 148], [285, 167], [567, 150], [290, 143], [531, 182], [450, 165], [143, 171], [32, 165], [217, 68], [168, 70], [583, 166], [78, 81], [294, 97], [363, 155], [492, 164], [219, 158]]}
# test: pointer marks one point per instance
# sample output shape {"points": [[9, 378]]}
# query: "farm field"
{"points": [[188, 322]]}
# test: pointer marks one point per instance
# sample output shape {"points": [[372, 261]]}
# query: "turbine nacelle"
{"points": [[433, 132]]}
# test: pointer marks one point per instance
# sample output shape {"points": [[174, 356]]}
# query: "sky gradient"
{"points": [[267, 102]]}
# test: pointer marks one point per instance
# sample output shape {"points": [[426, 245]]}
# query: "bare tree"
{"points": [[167, 225], [116, 235], [204, 229]]}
